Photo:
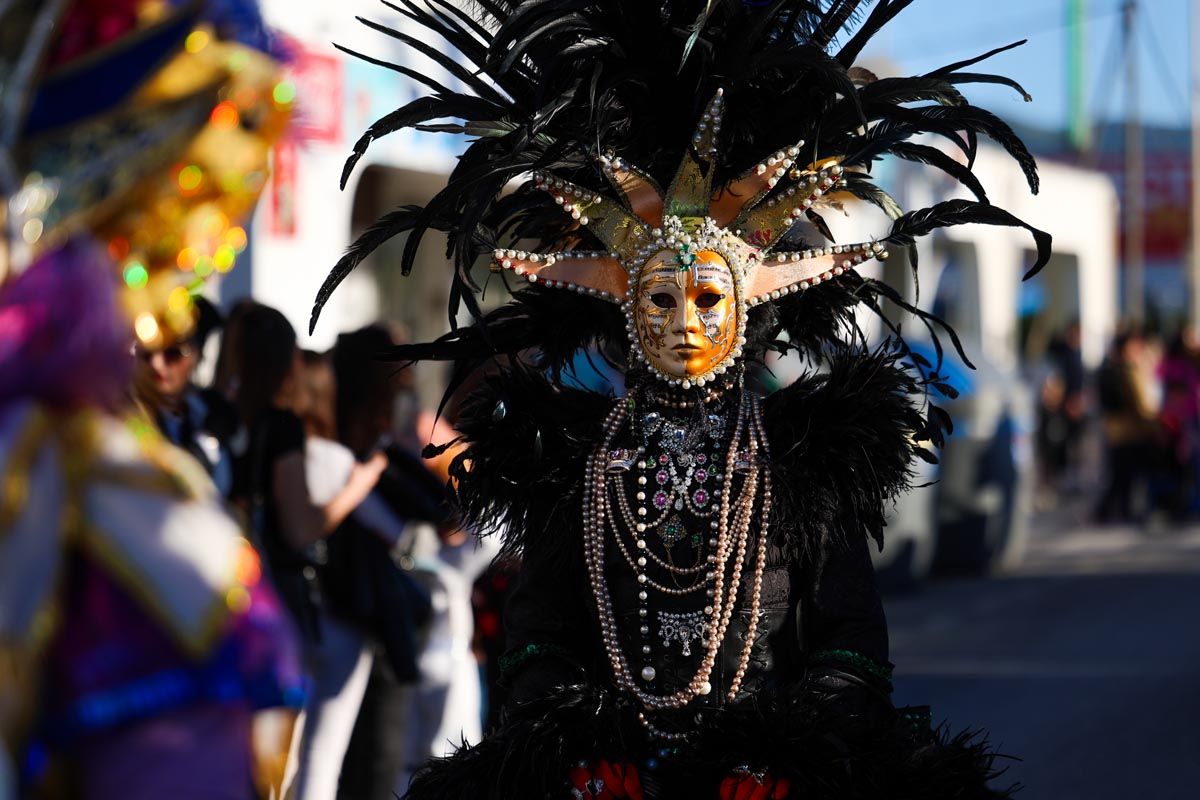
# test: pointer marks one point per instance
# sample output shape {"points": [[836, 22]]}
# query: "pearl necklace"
{"points": [[731, 542]]}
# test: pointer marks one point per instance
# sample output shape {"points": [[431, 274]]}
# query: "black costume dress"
{"points": [[814, 704]]}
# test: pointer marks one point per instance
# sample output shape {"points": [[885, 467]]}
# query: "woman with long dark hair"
{"points": [[271, 480]]}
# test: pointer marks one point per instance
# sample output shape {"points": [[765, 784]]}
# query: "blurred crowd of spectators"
{"points": [[1140, 410], [320, 453]]}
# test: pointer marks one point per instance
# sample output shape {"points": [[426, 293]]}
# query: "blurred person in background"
{"points": [[199, 420], [225, 372], [1065, 408], [1051, 438], [1179, 373], [138, 641], [341, 660], [396, 606], [1130, 429], [272, 483], [447, 707]]}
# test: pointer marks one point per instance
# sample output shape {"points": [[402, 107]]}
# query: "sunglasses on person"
{"points": [[171, 355]]}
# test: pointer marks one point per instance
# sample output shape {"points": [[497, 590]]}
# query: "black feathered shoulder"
{"points": [[843, 442], [527, 440]]}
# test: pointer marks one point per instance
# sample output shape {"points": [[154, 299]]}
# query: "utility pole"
{"points": [[1135, 168], [1194, 260]]}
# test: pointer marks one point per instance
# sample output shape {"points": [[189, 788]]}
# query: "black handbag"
{"points": [[364, 585]]}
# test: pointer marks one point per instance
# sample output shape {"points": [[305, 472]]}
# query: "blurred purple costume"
{"points": [[167, 638], [147, 720], [137, 635]]}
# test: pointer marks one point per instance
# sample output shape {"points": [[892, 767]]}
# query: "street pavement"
{"points": [[1084, 662]]}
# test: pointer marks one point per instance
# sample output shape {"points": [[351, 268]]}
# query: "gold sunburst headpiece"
{"points": [[742, 222]]}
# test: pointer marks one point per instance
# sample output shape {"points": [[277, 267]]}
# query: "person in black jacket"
{"points": [[366, 394], [270, 482]]}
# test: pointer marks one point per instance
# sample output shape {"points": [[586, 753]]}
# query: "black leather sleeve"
{"points": [[844, 611], [547, 627], [846, 668]]}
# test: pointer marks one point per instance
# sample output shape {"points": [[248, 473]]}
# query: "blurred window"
{"points": [[958, 297]]}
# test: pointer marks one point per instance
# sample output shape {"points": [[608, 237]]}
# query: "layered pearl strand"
{"points": [[734, 514]]}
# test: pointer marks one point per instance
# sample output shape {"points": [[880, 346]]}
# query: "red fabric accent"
{"points": [[91, 24], [746, 787], [621, 780]]}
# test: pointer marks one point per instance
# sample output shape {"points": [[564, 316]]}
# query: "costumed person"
{"points": [[696, 614], [199, 420], [138, 638]]}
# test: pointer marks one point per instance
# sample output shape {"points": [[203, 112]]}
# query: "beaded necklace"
{"points": [[730, 511]]}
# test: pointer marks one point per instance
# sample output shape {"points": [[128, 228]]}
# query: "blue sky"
{"points": [[931, 33]]}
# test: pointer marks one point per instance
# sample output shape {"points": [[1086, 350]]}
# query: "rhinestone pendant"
{"points": [[672, 530], [684, 628]]}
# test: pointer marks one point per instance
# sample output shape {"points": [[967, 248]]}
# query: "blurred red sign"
{"points": [[1168, 195], [282, 219], [319, 87]]}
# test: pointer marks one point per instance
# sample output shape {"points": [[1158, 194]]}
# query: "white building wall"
{"points": [[287, 269], [1077, 207]]}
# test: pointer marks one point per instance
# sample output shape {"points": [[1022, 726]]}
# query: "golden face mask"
{"points": [[686, 316]]}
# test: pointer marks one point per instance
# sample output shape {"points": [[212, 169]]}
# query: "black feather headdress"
{"points": [[562, 87]]}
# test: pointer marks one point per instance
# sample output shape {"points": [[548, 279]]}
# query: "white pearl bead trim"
{"points": [[858, 255], [527, 265]]}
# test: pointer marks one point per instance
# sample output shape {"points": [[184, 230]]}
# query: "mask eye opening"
{"points": [[662, 300]]}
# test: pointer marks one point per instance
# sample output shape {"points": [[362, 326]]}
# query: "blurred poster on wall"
{"points": [[1168, 195], [282, 195], [319, 94]]}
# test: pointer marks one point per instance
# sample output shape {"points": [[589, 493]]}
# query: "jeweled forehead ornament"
{"points": [[741, 221]]}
